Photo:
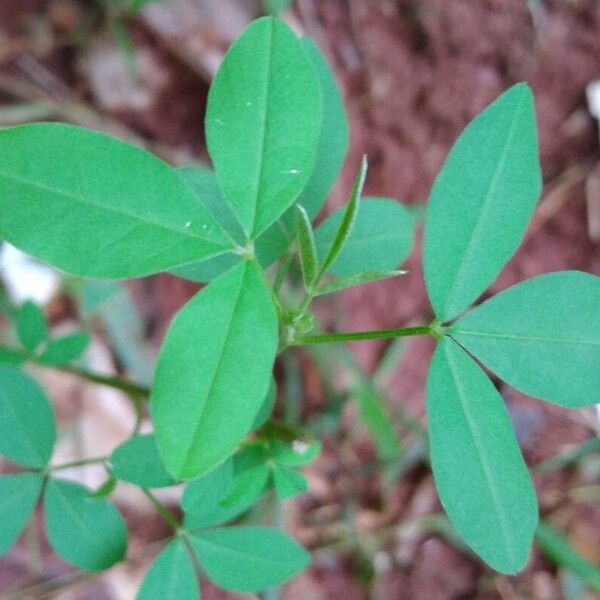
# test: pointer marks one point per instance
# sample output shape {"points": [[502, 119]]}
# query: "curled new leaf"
{"points": [[306, 248]]}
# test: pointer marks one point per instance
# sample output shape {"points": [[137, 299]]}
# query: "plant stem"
{"points": [[113, 381], [355, 336], [34, 547], [80, 463], [132, 389], [164, 512]]}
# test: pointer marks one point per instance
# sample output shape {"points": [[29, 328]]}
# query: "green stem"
{"points": [[355, 336], [132, 389], [113, 381], [80, 463], [164, 512]]}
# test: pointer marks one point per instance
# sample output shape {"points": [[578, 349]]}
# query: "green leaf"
{"points": [[331, 152], [288, 482], [18, 496], [333, 141], [204, 183], [268, 247], [204, 493], [250, 476], [207, 270], [247, 488], [338, 285], [137, 461], [249, 559], [87, 532], [32, 326], [94, 206], [481, 202], [27, 426], [541, 336], [306, 246], [331, 244], [263, 122], [479, 471], [558, 548], [382, 238], [65, 349], [214, 516], [11, 356], [172, 576], [264, 414], [201, 509], [106, 489], [214, 371]]}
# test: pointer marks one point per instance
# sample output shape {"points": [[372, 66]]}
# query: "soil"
{"points": [[413, 72]]}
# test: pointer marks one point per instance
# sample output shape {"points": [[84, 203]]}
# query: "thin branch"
{"points": [[355, 336]]}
